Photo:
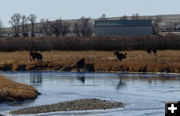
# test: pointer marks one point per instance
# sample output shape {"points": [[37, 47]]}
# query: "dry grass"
{"points": [[13, 91], [137, 61]]}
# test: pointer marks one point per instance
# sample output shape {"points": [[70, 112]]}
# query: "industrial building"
{"points": [[122, 27]]}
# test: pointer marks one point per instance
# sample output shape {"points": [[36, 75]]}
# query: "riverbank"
{"points": [[11, 91], [95, 61], [76, 105]]}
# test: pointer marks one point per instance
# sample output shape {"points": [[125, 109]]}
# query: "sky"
{"points": [[74, 9]]}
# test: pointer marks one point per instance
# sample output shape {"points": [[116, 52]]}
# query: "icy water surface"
{"points": [[143, 94]]}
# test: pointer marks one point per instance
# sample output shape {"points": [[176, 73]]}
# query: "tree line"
{"points": [[25, 26], [20, 24]]}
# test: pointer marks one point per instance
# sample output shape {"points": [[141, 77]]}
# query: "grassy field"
{"points": [[136, 61], [13, 91]]}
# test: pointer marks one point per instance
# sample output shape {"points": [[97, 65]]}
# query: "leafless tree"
{"points": [[85, 28], [45, 27], [156, 24], [76, 29], [170, 26], [32, 18], [124, 18], [56, 27], [103, 17], [59, 27], [65, 28], [1, 28], [15, 22], [177, 25], [24, 24], [135, 16]]}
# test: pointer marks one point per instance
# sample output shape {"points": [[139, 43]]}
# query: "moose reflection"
{"points": [[36, 77], [81, 78], [121, 84]]}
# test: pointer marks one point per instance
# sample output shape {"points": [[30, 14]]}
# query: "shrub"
{"points": [[107, 43]]}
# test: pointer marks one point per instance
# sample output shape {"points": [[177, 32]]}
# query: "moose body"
{"points": [[35, 56], [148, 50], [80, 63], [154, 51], [120, 56]]}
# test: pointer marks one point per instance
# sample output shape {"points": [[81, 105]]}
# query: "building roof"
{"points": [[112, 23]]}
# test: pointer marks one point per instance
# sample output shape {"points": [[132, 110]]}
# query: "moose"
{"points": [[120, 56], [154, 51], [150, 50], [35, 56], [81, 63]]}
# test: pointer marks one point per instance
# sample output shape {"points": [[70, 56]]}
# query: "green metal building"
{"points": [[123, 27]]}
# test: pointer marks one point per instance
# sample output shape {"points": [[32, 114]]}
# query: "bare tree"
{"points": [[76, 29], [24, 24], [1, 28], [26, 28], [32, 18], [85, 28], [45, 27], [170, 26], [135, 16], [65, 28], [15, 22], [177, 25], [59, 27], [124, 18], [103, 17], [56, 27], [156, 24]]}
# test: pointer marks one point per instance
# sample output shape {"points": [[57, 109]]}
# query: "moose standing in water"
{"points": [[120, 56], [35, 55]]}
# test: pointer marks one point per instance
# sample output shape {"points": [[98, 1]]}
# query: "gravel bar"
{"points": [[76, 105]]}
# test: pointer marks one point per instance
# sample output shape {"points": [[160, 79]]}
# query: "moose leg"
{"points": [[30, 58]]}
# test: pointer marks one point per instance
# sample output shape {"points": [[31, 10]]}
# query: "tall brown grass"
{"points": [[13, 91], [137, 61]]}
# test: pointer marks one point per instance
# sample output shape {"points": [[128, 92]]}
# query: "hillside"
{"points": [[165, 18]]}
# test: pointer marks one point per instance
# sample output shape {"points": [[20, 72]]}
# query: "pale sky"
{"points": [[73, 9]]}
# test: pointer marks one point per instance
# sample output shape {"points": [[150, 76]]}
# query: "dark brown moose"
{"points": [[35, 56]]}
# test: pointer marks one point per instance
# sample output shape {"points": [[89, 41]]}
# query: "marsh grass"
{"points": [[137, 61], [13, 91]]}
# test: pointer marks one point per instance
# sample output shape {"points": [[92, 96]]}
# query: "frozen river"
{"points": [[143, 94]]}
